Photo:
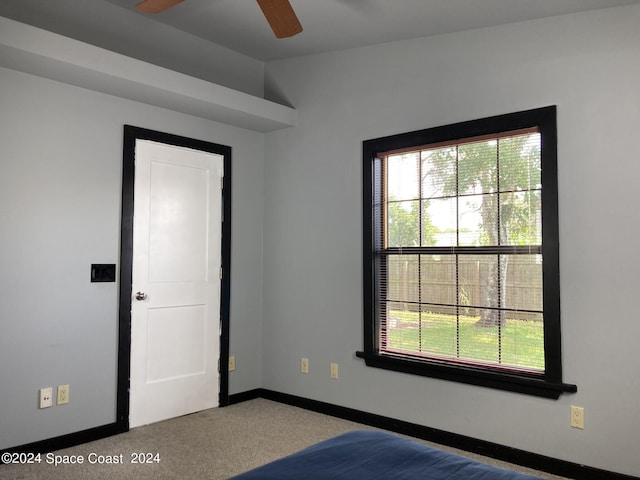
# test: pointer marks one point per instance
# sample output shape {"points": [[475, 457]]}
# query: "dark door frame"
{"points": [[131, 134]]}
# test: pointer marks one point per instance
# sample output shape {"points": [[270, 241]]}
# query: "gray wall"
{"points": [[588, 65], [60, 187]]}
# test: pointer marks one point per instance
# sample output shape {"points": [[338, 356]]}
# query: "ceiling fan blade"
{"points": [[281, 17], [156, 6]]}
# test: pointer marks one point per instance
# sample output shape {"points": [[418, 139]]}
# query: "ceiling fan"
{"points": [[279, 14]]}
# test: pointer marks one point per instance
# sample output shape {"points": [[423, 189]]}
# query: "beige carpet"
{"points": [[214, 444]]}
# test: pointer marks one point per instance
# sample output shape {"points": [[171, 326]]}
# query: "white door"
{"points": [[175, 313]]}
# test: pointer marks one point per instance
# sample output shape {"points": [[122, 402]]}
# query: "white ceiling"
{"points": [[239, 25]]}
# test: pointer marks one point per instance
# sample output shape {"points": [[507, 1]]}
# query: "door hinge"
{"points": [[220, 272], [221, 183]]}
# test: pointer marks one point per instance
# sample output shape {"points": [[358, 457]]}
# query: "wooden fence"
{"points": [[429, 283]]}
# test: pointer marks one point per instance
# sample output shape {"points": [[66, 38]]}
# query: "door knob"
{"points": [[141, 296]]}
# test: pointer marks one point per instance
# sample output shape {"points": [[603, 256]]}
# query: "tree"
{"points": [[499, 180], [404, 224]]}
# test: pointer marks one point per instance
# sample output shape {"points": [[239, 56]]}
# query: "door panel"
{"points": [[176, 349], [178, 223]]}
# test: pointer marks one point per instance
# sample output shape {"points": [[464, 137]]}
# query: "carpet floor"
{"points": [[214, 444]]}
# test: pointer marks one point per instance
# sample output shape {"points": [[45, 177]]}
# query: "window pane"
{"points": [[478, 220], [438, 279], [439, 172], [478, 279], [439, 331], [402, 281], [521, 218], [479, 344], [403, 177], [523, 344], [441, 217], [477, 167], [403, 224], [401, 331], [520, 163], [523, 285]]}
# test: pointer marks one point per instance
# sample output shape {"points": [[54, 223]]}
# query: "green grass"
{"points": [[519, 344]]}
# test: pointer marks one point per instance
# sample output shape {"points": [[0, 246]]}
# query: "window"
{"points": [[461, 276]]}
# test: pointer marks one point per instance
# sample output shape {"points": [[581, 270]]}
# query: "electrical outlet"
{"points": [[63, 394], [232, 363], [46, 397], [304, 365], [334, 371], [577, 417]]}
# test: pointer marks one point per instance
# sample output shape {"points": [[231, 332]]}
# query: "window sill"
{"points": [[474, 376]]}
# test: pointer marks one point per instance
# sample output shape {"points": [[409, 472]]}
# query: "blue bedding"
{"points": [[374, 455]]}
